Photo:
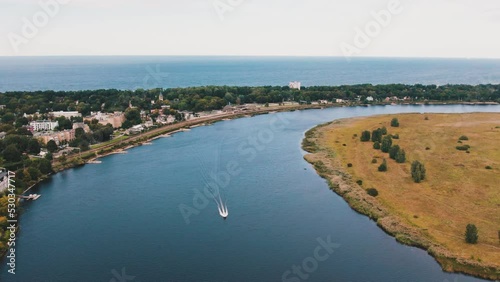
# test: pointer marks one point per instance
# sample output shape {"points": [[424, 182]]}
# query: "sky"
{"points": [[369, 28]]}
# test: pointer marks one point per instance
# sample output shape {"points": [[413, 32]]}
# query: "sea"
{"points": [[147, 72]]}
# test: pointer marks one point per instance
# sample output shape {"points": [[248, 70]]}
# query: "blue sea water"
{"points": [[81, 73], [123, 217]]}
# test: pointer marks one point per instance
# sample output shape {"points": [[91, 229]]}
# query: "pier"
{"points": [[33, 197]]}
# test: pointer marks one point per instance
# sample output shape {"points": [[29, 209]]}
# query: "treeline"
{"points": [[216, 97]]}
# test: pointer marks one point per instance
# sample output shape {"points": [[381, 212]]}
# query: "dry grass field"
{"points": [[458, 189]]}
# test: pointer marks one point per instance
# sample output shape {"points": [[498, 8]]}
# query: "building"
{"points": [[116, 119], [67, 115], [43, 125], [58, 137], [4, 180], [82, 125], [161, 97], [295, 85], [369, 99]]}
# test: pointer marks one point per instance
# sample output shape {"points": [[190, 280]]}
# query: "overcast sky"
{"points": [[421, 28]]}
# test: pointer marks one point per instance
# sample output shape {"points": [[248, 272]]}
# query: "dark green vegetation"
{"points": [[215, 97], [418, 171], [383, 166], [395, 122], [471, 234]]}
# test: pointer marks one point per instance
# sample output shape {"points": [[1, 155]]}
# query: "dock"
{"points": [[33, 197]]}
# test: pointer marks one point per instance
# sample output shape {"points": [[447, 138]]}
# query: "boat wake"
{"points": [[213, 187]]}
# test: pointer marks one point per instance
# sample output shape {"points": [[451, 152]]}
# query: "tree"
{"points": [[52, 146], [417, 171], [134, 116], [11, 153], [393, 151], [365, 136], [471, 234], [377, 135], [383, 130], [79, 132], [395, 122], [33, 147], [383, 166], [376, 145], [401, 156], [386, 144]]}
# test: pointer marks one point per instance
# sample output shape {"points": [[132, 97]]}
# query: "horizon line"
{"points": [[253, 56]]}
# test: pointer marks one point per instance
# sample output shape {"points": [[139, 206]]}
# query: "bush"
{"points": [[360, 182], [349, 165], [418, 171], [374, 161], [427, 148], [395, 122], [401, 157], [471, 234], [488, 167], [463, 138], [372, 192], [393, 151], [386, 144], [365, 136], [463, 148], [383, 166], [377, 135], [376, 145], [395, 136], [383, 130]]}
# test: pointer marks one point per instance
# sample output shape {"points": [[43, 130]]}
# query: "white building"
{"points": [[369, 99], [295, 85], [67, 115], [43, 125]]}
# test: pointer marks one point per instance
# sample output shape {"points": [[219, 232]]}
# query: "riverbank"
{"points": [[427, 215]]}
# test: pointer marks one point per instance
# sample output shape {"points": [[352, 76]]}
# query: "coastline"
{"points": [[167, 131], [343, 184]]}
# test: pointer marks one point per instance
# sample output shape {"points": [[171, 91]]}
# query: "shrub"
{"points": [[427, 148], [365, 136], [401, 157], [345, 145], [383, 130], [360, 182], [463, 147], [426, 118], [374, 161], [395, 136], [377, 135], [418, 171], [349, 165], [383, 166], [395, 122], [471, 234], [376, 145], [386, 144], [393, 151], [372, 192], [463, 138], [489, 167]]}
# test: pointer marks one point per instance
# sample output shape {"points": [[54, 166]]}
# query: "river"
{"points": [[142, 216]]}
